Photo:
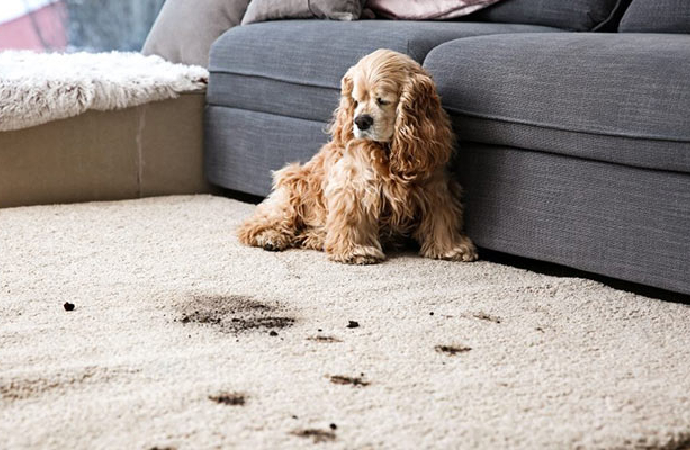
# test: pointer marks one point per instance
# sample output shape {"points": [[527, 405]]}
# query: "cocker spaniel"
{"points": [[381, 177]]}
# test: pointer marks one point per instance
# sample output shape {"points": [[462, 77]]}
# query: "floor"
{"points": [[144, 324]]}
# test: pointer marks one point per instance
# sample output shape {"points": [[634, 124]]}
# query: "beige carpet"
{"points": [[180, 338]]}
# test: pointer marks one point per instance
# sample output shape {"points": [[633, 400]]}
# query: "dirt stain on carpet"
{"points": [[316, 435], [323, 338], [233, 313], [233, 399], [23, 388], [351, 381], [486, 317], [452, 350]]}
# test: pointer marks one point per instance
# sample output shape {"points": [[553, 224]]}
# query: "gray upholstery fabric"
{"points": [[619, 98], [243, 147], [657, 16], [645, 153], [318, 52], [272, 96], [605, 218], [265, 77], [284, 67], [576, 15]]}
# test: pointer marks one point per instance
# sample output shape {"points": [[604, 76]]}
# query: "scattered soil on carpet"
{"points": [[69, 307], [452, 349], [352, 324], [234, 314], [229, 399], [316, 435], [352, 381], [323, 338], [18, 389], [486, 318]]}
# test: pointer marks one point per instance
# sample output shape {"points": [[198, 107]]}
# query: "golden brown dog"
{"points": [[382, 176]]}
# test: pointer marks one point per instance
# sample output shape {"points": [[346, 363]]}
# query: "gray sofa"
{"points": [[574, 144]]}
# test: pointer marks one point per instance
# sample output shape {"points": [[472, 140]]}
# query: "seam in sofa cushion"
{"points": [[460, 112]]}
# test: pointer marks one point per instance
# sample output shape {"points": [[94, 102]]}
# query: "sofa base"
{"points": [[243, 147], [154, 149], [611, 219]]}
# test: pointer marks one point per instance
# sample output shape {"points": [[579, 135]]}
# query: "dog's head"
{"points": [[389, 98]]}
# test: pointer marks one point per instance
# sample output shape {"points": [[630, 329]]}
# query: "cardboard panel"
{"points": [[148, 150], [172, 145]]}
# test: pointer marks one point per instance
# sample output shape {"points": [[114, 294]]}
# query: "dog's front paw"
{"points": [[462, 251], [360, 255], [269, 240]]}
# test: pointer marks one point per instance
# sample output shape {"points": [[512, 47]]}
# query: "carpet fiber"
{"points": [[181, 338]]}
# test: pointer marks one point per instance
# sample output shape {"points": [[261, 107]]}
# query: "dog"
{"points": [[381, 177]]}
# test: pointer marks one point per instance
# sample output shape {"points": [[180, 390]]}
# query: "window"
{"points": [[76, 25]]}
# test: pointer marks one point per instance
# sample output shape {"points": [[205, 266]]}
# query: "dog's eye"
{"points": [[382, 102]]}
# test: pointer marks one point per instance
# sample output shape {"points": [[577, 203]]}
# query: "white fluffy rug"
{"points": [[181, 338], [36, 88]]}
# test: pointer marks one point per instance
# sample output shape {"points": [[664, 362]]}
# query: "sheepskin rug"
{"points": [[181, 338], [36, 88]]}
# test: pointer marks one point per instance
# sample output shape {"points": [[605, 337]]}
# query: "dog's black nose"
{"points": [[364, 121]]}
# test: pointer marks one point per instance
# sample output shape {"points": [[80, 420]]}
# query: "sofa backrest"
{"points": [[575, 15], [657, 16]]}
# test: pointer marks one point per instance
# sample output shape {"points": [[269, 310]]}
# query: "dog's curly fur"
{"points": [[360, 192]]}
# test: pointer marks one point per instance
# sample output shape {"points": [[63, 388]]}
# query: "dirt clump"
{"points": [[351, 381], [452, 350], [233, 399], [316, 435]]}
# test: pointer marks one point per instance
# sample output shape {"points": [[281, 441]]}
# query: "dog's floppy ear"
{"points": [[342, 126], [423, 138]]}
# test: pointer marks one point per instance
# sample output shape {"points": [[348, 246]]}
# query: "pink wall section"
{"points": [[20, 33]]}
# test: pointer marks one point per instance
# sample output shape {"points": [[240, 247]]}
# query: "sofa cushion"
{"points": [[425, 9], [658, 16], [293, 68], [260, 10], [576, 15], [184, 30], [608, 97]]}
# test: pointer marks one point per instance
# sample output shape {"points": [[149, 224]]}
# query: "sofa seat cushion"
{"points": [[575, 15], [658, 16], [615, 98], [293, 68]]}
